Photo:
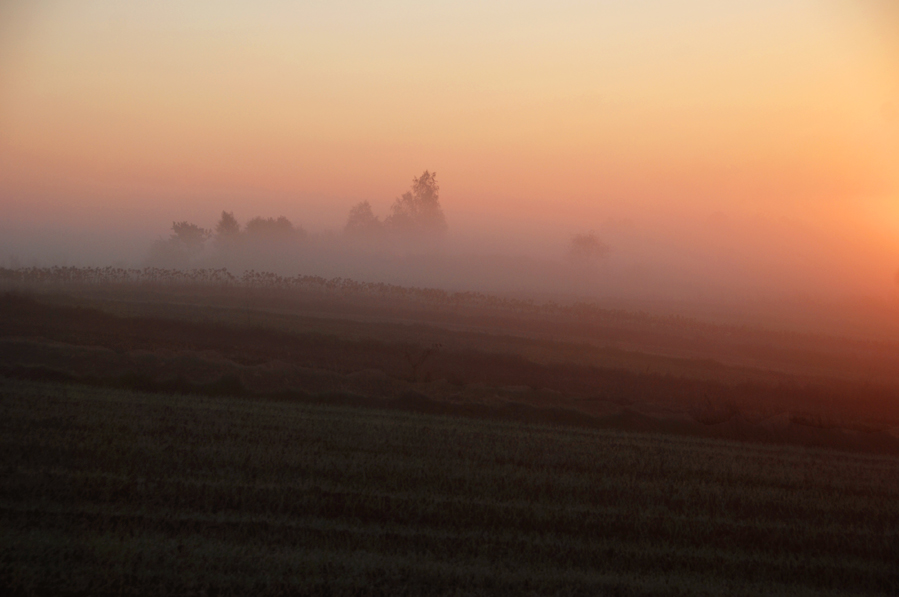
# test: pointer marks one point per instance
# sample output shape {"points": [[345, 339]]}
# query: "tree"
{"points": [[362, 221], [271, 229], [227, 226], [189, 236], [418, 210], [586, 248], [185, 242], [227, 231]]}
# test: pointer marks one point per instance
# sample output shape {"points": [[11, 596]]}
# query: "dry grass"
{"points": [[120, 492]]}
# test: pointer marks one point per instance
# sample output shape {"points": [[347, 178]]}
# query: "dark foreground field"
{"points": [[188, 343], [113, 491], [207, 439]]}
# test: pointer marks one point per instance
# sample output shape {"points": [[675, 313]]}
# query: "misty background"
{"points": [[737, 161], [761, 270]]}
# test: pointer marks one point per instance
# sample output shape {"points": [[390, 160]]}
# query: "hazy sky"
{"points": [[556, 115]]}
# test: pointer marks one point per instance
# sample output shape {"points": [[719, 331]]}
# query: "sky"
{"points": [[700, 135]]}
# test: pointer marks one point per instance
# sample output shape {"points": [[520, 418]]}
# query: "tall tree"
{"points": [[227, 231], [362, 221], [227, 225], [418, 210]]}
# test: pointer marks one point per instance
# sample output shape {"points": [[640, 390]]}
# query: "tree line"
{"points": [[188, 240], [416, 214]]}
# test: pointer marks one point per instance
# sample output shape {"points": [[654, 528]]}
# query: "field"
{"points": [[111, 491], [338, 439]]}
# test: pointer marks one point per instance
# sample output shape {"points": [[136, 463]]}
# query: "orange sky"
{"points": [[561, 112]]}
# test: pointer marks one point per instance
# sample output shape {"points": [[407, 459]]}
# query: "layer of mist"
{"points": [[768, 271]]}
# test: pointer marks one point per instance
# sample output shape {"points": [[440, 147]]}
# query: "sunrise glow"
{"points": [[561, 115]]}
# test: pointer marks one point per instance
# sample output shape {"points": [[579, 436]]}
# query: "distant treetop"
{"points": [[415, 212], [271, 228], [362, 221], [586, 248], [418, 210], [190, 236], [227, 226]]}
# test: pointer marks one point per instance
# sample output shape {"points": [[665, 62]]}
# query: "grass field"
{"points": [[111, 491]]}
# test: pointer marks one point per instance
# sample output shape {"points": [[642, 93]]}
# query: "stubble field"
{"points": [[113, 491]]}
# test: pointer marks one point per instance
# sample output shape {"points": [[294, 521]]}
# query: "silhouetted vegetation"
{"points": [[185, 243], [586, 249], [416, 219], [188, 235], [362, 222], [272, 230], [227, 231], [260, 237], [415, 214]]}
